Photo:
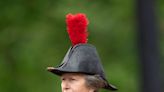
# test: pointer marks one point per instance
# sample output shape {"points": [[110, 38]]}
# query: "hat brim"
{"points": [[56, 71], [60, 72], [110, 87]]}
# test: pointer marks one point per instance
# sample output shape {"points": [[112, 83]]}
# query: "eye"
{"points": [[73, 79], [62, 79]]}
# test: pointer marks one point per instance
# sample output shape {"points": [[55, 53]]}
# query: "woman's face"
{"points": [[74, 82]]}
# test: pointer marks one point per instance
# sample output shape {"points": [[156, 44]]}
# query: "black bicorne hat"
{"points": [[82, 58]]}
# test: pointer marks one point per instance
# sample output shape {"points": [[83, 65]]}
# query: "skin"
{"points": [[74, 82]]}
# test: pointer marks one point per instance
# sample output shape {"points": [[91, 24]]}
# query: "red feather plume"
{"points": [[77, 28]]}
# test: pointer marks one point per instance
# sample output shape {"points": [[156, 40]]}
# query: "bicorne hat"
{"points": [[81, 56]]}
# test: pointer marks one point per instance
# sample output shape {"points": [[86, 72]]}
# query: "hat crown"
{"points": [[82, 58]]}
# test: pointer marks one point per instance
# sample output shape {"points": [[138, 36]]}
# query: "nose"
{"points": [[65, 85]]}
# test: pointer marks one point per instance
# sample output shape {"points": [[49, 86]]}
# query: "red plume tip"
{"points": [[77, 28]]}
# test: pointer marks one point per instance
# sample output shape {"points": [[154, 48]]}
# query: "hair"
{"points": [[95, 82]]}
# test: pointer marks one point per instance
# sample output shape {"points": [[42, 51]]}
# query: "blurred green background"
{"points": [[33, 36]]}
